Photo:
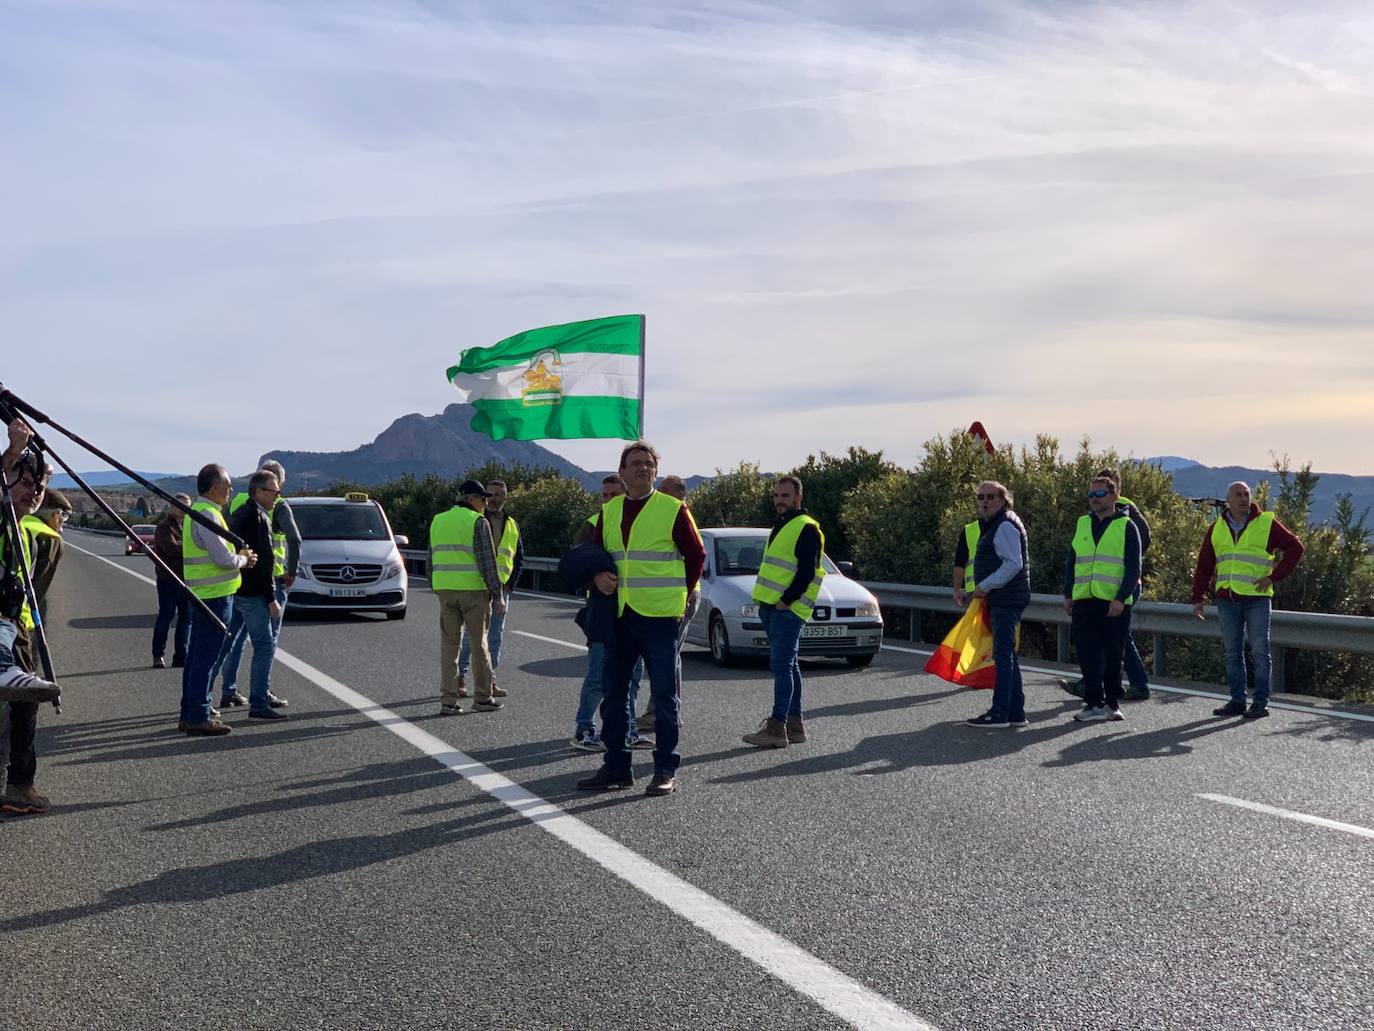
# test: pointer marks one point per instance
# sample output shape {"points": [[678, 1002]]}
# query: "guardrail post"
{"points": [[1063, 644], [1159, 665], [913, 626], [1277, 666]]}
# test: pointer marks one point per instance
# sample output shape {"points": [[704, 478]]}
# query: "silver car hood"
{"points": [[836, 591], [348, 551]]}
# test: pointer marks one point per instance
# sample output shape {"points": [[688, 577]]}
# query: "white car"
{"points": [[846, 623], [350, 559]]}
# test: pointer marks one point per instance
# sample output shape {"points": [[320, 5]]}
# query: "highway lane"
{"points": [[324, 873]]}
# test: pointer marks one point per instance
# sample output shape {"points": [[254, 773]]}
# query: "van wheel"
{"points": [[720, 642], [398, 614]]}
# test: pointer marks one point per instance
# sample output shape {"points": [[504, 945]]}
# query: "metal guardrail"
{"points": [[535, 573], [1315, 631]]}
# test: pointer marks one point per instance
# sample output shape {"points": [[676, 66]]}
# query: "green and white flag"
{"points": [[581, 379]]}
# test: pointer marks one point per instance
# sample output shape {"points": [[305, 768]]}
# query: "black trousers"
{"points": [[23, 722], [1100, 640]]}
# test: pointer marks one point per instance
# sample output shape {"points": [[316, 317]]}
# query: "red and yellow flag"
{"points": [[965, 655]]}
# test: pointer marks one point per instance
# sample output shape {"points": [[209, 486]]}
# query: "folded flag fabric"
{"points": [[965, 655], [580, 379]]}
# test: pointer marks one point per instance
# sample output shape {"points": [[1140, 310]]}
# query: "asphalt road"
{"points": [[898, 869]]}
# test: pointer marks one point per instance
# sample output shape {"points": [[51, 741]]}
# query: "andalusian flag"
{"points": [[582, 379]]}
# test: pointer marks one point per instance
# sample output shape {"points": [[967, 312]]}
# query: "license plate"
{"points": [[819, 630], [346, 592]]}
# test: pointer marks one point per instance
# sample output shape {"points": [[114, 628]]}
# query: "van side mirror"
{"points": [[845, 568], [402, 541]]}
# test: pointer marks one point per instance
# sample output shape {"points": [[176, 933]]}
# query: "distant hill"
{"points": [[1171, 463], [416, 444], [106, 478], [1201, 481]]}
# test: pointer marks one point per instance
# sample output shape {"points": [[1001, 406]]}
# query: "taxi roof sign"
{"points": [[355, 495]]}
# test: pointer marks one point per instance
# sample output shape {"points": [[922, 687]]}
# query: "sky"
{"points": [[234, 227]]}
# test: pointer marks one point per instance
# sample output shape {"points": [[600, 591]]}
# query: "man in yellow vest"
{"points": [[658, 556], [211, 570], [1101, 575], [963, 582], [463, 576], [1239, 552], [510, 560], [785, 591], [45, 532]]}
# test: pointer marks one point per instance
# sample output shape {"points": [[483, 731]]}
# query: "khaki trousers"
{"points": [[459, 609]]}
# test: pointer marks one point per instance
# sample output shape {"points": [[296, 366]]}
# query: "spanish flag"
{"points": [[965, 655]]}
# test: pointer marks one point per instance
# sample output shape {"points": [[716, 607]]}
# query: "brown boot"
{"points": [[796, 730], [771, 734], [498, 692], [462, 686]]}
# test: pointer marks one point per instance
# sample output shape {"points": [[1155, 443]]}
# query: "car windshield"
{"points": [[741, 556], [347, 521]]}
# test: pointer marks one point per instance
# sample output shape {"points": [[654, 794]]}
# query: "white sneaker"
{"points": [[1115, 714], [19, 686], [1092, 714]]}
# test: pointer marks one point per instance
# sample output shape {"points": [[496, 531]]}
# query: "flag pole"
{"points": [[642, 320]]}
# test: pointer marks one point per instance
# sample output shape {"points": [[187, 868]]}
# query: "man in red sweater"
{"points": [[1239, 551]]}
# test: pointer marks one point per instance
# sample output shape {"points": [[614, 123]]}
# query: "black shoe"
{"points": [[275, 702], [989, 720], [662, 784], [604, 780], [178, 661], [1137, 694], [159, 662], [1255, 712], [266, 714], [1230, 709], [232, 700]]}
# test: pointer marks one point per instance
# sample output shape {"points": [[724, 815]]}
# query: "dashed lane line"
{"points": [[839, 994], [1289, 814]]}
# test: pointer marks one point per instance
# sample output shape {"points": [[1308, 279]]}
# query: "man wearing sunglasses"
{"points": [[1100, 580], [1001, 575]]}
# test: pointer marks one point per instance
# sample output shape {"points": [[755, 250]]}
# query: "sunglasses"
{"points": [[1098, 493], [987, 497]]}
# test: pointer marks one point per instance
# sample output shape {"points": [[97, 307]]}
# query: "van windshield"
{"points": [[346, 521]]}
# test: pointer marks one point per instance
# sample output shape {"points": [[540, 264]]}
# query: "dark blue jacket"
{"points": [[578, 567], [986, 561]]}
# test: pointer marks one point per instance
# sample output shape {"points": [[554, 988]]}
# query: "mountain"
{"points": [[416, 444], [1201, 481], [1170, 463], [105, 478]]}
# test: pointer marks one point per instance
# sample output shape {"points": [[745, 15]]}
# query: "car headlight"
{"points": [[303, 571], [392, 568], [749, 611], [868, 608]]}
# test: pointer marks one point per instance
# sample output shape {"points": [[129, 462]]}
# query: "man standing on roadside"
{"points": [[785, 591], [171, 599], [659, 557], [962, 581], [462, 564], [1101, 577], [256, 608], [673, 486], [1001, 575], [1239, 551], [44, 528], [510, 560], [211, 570]]}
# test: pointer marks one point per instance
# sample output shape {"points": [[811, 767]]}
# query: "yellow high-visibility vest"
{"points": [[1241, 563], [779, 566], [652, 573], [454, 566], [205, 579], [1099, 566], [505, 550], [971, 533]]}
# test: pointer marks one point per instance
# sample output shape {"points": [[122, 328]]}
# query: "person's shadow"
{"points": [[1123, 744]]}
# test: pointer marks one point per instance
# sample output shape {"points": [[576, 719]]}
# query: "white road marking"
{"points": [[551, 640], [1289, 706], [1289, 814], [839, 994]]}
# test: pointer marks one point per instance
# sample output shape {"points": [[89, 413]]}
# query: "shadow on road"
{"points": [[1125, 744], [133, 621]]}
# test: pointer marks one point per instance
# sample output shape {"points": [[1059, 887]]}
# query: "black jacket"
{"points": [[255, 527], [578, 567]]}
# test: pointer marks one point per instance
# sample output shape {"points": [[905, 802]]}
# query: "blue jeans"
{"points": [[255, 618], [231, 655], [784, 628], [1008, 699], [1131, 662], [171, 601], [1246, 618], [494, 632], [590, 699], [202, 650], [654, 640]]}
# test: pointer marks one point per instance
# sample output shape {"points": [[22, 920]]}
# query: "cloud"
{"points": [[847, 223]]}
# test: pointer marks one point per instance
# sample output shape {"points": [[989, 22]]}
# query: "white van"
{"points": [[350, 559]]}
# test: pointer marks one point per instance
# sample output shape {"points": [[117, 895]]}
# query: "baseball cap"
{"points": [[471, 487]]}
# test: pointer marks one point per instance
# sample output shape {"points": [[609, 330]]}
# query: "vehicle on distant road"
{"points": [[350, 559], [846, 624], [145, 537]]}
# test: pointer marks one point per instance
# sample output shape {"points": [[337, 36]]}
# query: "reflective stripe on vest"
{"points": [[26, 619], [454, 565], [34, 525], [1242, 563], [1099, 566], [505, 551], [779, 567], [971, 532], [278, 539], [202, 575], [652, 573]]}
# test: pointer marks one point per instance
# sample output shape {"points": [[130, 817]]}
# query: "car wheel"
{"points": [[397, 614], [720, 642], [859, 661]]}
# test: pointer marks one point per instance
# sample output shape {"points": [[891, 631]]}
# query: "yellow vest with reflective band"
{"points": [[1240, 563], [653, 575], [25, 613], [972, 531], [779, 566], [33, 525], [454, 566], [205, 579], [278, 539], [1099, 566], [505, 550]]}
